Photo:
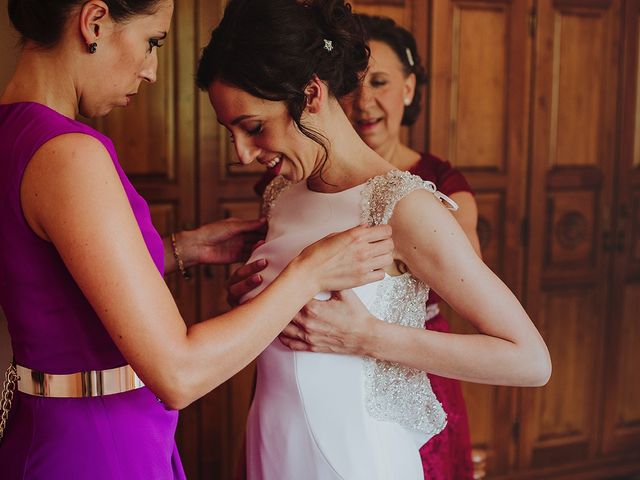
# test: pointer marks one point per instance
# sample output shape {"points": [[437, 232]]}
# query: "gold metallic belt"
{"points": [[94, 383]]}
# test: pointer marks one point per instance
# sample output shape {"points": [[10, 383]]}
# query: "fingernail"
{"points": [[262, 262], [256, 278]]}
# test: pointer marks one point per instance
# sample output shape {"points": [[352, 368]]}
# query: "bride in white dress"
{"points": [[273, 70]]}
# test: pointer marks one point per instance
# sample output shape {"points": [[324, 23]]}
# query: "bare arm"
{"points": [[72, 196], [467, 217], [508, 349], [222, 242]]}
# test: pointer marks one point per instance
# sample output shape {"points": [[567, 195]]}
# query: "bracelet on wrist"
{"points": [[176, 255]]}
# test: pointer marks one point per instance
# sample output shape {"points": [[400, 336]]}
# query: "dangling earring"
{"points": [[92, 47]]}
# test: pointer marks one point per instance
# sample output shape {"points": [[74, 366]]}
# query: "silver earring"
{"points": [[92, 47]]}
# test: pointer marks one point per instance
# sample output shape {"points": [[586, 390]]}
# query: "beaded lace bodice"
{"points": [[393, 392]]}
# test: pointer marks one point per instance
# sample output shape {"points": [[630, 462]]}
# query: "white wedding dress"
{"points": [[319, 416]]}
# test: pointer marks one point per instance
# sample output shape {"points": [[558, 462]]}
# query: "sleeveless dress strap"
{"points": [[382, 193], [394, 392]]}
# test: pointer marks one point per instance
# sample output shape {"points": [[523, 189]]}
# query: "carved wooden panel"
{"points": [[477, 122], [627, 406], [579, 43], [572, 169], [566, 408], [479, 90], [634, 241], [621, 413], [491, 224], [570, 233]]}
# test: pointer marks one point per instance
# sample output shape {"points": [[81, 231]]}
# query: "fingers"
{"points": [[372, 234], [240, 289], [240, 226], [245, 279], [245, 271], [258, 244], [293, 344]]}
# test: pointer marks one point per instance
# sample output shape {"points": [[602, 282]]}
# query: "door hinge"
{"points": [[533, 22]]}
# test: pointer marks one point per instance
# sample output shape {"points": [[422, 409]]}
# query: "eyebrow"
{"points": [[237, 120]]}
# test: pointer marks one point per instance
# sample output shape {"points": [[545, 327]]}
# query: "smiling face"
{"points": [[377, 107], [126, 55], [264, 131]]}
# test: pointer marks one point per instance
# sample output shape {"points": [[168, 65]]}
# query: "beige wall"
{"points": [[8, 40]]}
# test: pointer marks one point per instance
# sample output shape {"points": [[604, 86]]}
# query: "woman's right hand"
{"points": [[348, 259]]}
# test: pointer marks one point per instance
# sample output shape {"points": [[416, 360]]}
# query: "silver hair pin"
{"points": [[409, 56], [328, 45]]}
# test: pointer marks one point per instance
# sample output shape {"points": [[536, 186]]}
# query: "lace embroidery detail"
{"points": [[381, 194], [271, 193], [394, 392]]}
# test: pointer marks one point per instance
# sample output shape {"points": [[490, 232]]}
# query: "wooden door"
{"points": [[573, 154], [479, 109], [621, 412]]}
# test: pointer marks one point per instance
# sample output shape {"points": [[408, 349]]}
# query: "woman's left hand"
{"points": [[341, 324], [222, 242]]}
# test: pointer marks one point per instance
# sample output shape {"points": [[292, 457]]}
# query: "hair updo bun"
{"points": [[273, 48]]}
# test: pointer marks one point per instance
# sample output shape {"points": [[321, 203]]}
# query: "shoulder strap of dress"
{"points": [[271, 193], [382, 193]]}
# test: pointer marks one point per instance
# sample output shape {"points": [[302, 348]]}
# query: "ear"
{"points": [[93, 19], [315, 92], [409, 88]]}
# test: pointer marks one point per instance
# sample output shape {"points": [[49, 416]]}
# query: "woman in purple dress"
{"points": [[90, 317]]}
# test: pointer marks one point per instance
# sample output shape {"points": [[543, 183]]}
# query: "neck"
{"points": [[41, 76], [350, 161], [398, 154]]}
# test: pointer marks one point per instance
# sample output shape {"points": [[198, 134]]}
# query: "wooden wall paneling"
{"points": [[478, 120], [621, 393], [572, 148]]}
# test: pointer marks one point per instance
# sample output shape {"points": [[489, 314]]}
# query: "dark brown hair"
{"points": [[273, 48], [42, 21], [384, 29]]}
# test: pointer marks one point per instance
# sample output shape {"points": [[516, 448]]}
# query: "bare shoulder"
{"points": [[65, 175], [422, 225], [71, 150]]}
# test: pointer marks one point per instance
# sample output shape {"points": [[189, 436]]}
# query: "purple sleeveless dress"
{"points": [[54, 329]]}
